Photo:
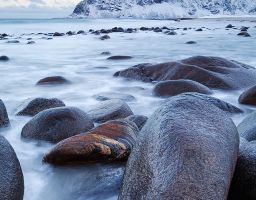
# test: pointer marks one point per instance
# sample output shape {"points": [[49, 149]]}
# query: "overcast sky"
{"points": [[36, 8]]}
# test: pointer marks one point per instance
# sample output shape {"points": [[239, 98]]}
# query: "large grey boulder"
{"points": [[187, 150], [31, 108], [244, 181], [110, 110], [56, 124], [213, 72], [11, 177]]}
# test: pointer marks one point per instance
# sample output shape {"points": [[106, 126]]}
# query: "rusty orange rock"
{"points": [[111, 141]]}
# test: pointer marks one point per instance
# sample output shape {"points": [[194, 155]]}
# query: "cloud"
{"points": [[38, 3]]}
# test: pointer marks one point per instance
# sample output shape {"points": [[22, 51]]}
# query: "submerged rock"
{"points": [[57, 34], [229, 26], [4, 58], [119, 57], [244, 34], [248, 96], [56, 124], [114, 95], [105, 53], [112, 141], [187, 150], [39, 104], [105, 37], [175, 87], [53, 80], [191, 42], [4, 119], [213, 72], [11, 181], [110, 110], [244, 181]]}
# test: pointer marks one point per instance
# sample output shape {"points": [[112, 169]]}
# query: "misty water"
{"points": [[78, 58]]}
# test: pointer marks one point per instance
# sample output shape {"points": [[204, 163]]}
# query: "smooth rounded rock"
{"points": [[119, 58], [213, 72], [248, 96], [187, 150], [31, 108], [4, 119], [56, 124], [139, 120], [224, 106], [244, 181], [112, 141], [110, 110], [4, 58], [114, 95], [53, 80], [11, 177], [247, 128], [175, 87]]}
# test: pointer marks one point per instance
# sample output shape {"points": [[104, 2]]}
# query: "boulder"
{"points": [[247, 128], [119, 57], [31, 108], [187, 150], [4, 119], [139, 120], [224, 106], [244, 181], [110, 110], [112, 141], [175, 87], [53, 80], [56, 124], [11, 181], [248, 96], [213, 72], [114, 95]]}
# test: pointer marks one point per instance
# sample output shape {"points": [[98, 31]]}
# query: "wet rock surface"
{"points": [[119, 57], [11, 181], [248, 96], [244, 181], [53, 80], [201, 137], [4, 119], [56, 124], [114, 95], [4, 58], [31, 108], [213, 72], [109, 110], [175, 87], [139, 120], [111, 141], [247, 128]]}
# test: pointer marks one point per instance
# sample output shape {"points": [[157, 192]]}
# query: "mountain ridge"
{"points": [[161, 9]]}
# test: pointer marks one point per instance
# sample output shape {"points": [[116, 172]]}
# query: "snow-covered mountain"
{"points": [[162, 9]]}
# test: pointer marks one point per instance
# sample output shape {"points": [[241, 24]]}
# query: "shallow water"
{"points": [[78, 59]]}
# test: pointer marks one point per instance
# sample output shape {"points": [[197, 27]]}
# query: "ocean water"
{"points": [[79, 59]]}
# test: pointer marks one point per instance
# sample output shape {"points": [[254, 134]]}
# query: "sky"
{"points": [[36, 8]]}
